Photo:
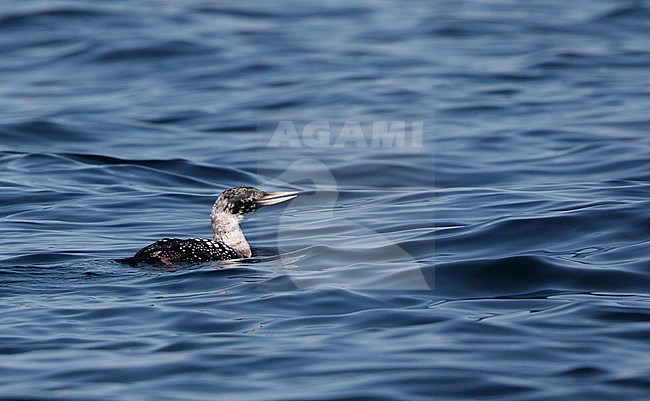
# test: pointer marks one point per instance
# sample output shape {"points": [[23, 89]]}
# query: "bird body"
{"points": [[228, 240]]}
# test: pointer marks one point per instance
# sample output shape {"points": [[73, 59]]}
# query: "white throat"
{"points": [[225, 227]]}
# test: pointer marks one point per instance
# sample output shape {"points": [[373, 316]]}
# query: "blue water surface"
{"points": [[500, 252]]}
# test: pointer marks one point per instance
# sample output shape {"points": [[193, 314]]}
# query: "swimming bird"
{"points": [[228, 241]]}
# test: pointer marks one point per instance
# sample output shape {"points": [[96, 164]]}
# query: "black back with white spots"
{"points": [[173, 250]]}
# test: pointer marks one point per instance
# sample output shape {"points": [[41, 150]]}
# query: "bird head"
{"points": [[241, 201]]}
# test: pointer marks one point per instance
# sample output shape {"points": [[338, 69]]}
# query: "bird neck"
{"points": [[225, 227]]}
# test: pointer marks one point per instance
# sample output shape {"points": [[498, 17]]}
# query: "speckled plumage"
{"points": [[228, 241], [193, 250]]}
